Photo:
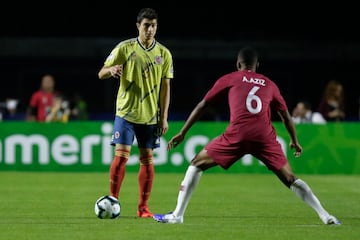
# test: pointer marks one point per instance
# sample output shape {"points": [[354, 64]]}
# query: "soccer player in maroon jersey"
{"points": [[250, 96]]}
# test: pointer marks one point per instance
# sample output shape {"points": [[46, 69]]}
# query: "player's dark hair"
{"points": [[148, 13], [248, 57]]}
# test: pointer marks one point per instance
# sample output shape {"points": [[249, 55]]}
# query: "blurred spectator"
{"points": [[8, 109], [303, 113], [60, 110], [332, 103], [42, 100], [78, 107]]}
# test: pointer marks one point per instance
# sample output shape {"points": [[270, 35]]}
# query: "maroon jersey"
{"points": [[251, 96]]}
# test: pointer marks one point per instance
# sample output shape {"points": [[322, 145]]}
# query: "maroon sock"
{"points": [[117, 171], [145, 178]]}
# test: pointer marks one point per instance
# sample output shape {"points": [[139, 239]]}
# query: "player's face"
{"points": [[147, 29]]}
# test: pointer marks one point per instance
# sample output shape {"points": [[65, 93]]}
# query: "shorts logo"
{"points": [[117, 134]]}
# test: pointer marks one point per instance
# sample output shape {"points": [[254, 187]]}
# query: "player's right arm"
{"points": [[290, 127], [194, 116], [112, 71], [113, 64], [210, 97]]}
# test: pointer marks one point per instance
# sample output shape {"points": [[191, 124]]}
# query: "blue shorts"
{"points": [[124, 133]]}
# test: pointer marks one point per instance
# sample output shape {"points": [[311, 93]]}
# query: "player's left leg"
{"points": [[147, 140], [304, 192], [145, 180]]}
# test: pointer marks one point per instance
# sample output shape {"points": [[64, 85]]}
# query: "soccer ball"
{"points": [[107, 207]]}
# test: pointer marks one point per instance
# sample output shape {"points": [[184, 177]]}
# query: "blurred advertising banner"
{"points": [[333, 148]]}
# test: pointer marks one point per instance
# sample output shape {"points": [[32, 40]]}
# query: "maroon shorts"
{"points": [[226, 153]]}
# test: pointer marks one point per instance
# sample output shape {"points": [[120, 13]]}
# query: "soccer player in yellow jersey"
{"points": [[144, 68]]}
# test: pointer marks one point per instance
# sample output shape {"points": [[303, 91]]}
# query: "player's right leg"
{"points": [[200, 163], [122, 139], [117, 169]]}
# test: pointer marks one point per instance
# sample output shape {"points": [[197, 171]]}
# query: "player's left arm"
{"points": [[164, 101], [290, 127], [164, 105]]}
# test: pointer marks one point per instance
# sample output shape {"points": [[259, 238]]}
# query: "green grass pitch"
{"points": [[51, 206]]}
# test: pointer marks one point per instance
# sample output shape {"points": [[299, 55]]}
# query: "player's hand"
{"points": [[164, 127], [176, 140], [116, 71], [297, 147]]}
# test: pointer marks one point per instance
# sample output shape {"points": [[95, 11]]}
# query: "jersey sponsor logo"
{"points": [[258, 81]]}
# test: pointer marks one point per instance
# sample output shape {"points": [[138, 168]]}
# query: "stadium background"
{"points": [[302, 47]]}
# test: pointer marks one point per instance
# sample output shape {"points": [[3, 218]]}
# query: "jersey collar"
{"points": [[143, 47]]}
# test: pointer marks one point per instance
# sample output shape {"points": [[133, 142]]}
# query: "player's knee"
{"points": [[195, 162], [290, 179], [203, 163], [146, 159]]}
